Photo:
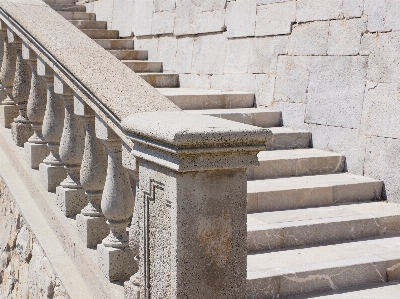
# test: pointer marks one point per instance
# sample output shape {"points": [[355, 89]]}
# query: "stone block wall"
{"points": [[331, 66], [25, 271]]}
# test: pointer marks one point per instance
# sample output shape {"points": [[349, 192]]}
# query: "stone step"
{"points": [[68, 7], [297, 162], [101, 33], [85, 24], [71, 15], [286, 138], [389, 290], [115, 44], [59, 2], [160, 80], [194, 99], [260, 117], [322, 225], [324, 268], [130, 54], [140, 66], [310, 191]]}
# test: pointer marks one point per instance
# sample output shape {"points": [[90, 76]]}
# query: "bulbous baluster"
{"points": [[91, 222], [36, 148], [114, 255], [52, 169], [8, 109], [70, 195], [21, 128]]}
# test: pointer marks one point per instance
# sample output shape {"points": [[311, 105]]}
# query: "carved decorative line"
{"points": [[149, 196]]}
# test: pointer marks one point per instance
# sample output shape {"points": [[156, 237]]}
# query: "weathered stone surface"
{"points": [[318, 10], [194, 81], [368, 43], [292, 114], [336, 91], [384, 56], [35, 154], [292, 79], [167, 47], [381, 162], [92, 230], [184, 55], [163, 5], [163, 22], [238, 55], [348, 142], [241, 18], [116, 264], [309, 39], [122, 12], [51, 176], [209, 54], [193, 17], [383, 15], [24, 244], [275, 18], [345, 36], [70, 201], [262, 84], [264, 52], [149, 44], [353, 8], [381, 106], [142, 17]]}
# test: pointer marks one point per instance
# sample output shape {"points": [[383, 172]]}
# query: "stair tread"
{"points": [[318, 215], [141, 61], [286, 130], [233, 111], [290, 183], [295, 261], [302, 153], [389, 290]]}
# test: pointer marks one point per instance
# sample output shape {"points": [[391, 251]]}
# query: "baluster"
{"points": [[8, 109], [52, 171], [114, 256], [21, 128], [3, 40], [70, 194], [91, 223], [36, 148]]}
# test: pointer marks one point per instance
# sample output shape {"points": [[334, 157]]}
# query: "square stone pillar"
{"points": [[189, 227]]}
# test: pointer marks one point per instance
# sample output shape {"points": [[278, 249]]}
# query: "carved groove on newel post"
{"points": [[52, 169], [114, 255], [91, 223], [8, 109]]}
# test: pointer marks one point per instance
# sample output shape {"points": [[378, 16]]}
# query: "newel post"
{"points": [[190, 215]]}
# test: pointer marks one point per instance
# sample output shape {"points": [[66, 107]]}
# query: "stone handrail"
{"points": [[75, 108]]}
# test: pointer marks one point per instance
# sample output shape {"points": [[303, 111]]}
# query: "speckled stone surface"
{"points": [[35, 154], [70, 201], [112, 260], [51, 176], [7, 115], [92, 230]]}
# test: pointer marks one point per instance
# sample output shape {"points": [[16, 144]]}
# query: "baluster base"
{"points": [[70, 201], [131, 291], [116, 263], [21, 132], [51, 175], [35, 153], [7, 115], [92, 230]]}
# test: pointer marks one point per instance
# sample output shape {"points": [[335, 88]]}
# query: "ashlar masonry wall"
{"points": [[331, 66]]}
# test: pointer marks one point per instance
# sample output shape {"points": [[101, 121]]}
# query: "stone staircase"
{"points": [[312, 228]]}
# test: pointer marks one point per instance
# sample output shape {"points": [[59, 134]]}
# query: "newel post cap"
{"points": [[189, 142]]}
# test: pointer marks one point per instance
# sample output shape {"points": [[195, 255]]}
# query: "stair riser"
{"points": [[161, 80], [115, 44], [296, 167], [129, 54], [321, 233], [144, 66], [101, 34], [264, 120], [50, 2], [78, 15], [197, 102], [312, 197], [323, 280], [68, 7], [292, 140], [81, 24]]}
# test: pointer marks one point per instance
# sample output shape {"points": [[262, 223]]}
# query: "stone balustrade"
{"points": [[89, 131]]}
